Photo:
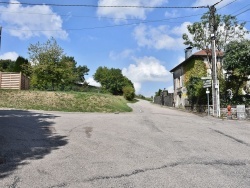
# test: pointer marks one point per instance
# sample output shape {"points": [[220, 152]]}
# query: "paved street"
{"points": [[153, 146]]}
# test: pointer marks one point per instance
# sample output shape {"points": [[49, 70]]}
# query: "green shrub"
{"points": [[128, 93]]}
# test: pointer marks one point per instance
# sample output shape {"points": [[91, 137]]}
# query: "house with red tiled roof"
{"points": [[197, 64]]}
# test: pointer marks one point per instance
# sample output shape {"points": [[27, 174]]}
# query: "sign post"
{"points": [[208, 110], [207, 82]]}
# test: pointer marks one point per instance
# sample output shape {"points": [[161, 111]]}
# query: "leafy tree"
{"points": [[195, 91], [158, 93], [112, 80], [237, 64], [227, 29], [6, 65], [72, 74], [46, 59], [52, 68], [80, 72], [22, 65]]}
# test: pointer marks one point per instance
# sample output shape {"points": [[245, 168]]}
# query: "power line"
{"points": [[110, 26], [242, 12], [240, 9], [94, 17], [101, 6], [228, 4], [217, 3], [69, 15]]}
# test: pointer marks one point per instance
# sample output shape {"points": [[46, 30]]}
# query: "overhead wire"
{"points": [[94, 17], [99, 27], [108, 26], [101, 6], [228, 4], [117, 25], [242, 12]]}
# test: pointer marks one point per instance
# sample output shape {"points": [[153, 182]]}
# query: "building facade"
{"points": [[197, 64]]}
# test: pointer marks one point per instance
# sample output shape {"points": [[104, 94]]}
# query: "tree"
{"points": [[7, 65], [195, 91], [112, 80], [80, 72], [158, 93], [72, 74], [22, 65], [227, 29], [52, 68], [237, 64], [46, 59]]}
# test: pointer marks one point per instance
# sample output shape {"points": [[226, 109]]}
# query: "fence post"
{"points": [[20, 82]]}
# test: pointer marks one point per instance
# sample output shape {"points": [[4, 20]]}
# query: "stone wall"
{"points": [[224, 112], [167, 99]]}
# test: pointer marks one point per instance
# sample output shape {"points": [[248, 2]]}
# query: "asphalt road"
{"points": [[153, 146]]}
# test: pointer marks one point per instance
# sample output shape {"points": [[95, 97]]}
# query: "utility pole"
{"points": [[215, 83]]}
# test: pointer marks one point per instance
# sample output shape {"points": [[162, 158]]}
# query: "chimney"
{"points": [[188, 52]]}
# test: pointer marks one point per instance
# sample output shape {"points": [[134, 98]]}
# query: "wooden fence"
{"points": [[12, 80]]}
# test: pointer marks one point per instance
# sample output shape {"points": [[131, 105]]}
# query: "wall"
{"points": [[167, 99], [224, 112]]}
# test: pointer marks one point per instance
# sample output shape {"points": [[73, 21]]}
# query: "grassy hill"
{"points": [[63, 101]]}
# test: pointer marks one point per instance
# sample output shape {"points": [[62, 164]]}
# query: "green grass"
{"points": [[63, 101]]}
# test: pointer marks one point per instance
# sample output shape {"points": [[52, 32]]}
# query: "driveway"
{"points": [[152, 146]]}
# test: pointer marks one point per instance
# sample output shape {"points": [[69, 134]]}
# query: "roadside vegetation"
{"points": [[50, 69], [63, 101]]}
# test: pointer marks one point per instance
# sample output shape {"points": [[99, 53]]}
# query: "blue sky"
{"points": [[144, 43]]}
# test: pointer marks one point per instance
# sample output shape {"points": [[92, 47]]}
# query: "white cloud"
{"points": [[29, 21], [122, 55], [172, 14], [159, 38], [170, 89], [92, 82], [180, 30], [9, 55], [211, 2], [146, 69], [123, 13]]}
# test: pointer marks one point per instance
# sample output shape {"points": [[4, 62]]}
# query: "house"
{"points": [[197, 64]]}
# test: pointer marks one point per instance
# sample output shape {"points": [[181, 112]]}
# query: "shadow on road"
{"points": [[25, 135]]}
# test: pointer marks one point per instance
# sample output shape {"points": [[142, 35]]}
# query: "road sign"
{"points": [[207, 83], [206, 78]]}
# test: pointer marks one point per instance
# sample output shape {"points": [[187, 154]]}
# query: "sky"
{"points": [[145, 43]]}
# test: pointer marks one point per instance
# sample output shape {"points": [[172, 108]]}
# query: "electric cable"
{"points": [[242, 12], [110, 26], [228, 4], [101, 6]]}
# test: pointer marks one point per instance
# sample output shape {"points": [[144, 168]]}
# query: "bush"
{"points": [[128, 93]]}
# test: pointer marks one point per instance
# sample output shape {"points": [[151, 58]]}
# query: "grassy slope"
{"points": [[63, 101]]}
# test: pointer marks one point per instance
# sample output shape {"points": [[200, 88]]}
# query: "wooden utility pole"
{"points": [[215, 83]]}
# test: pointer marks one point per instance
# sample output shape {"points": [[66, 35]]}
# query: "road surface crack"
{"points": [[16, 181], [138, 171], [231, 137]]}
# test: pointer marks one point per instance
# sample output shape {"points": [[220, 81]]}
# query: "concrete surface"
{"points": [[153, 146]]}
